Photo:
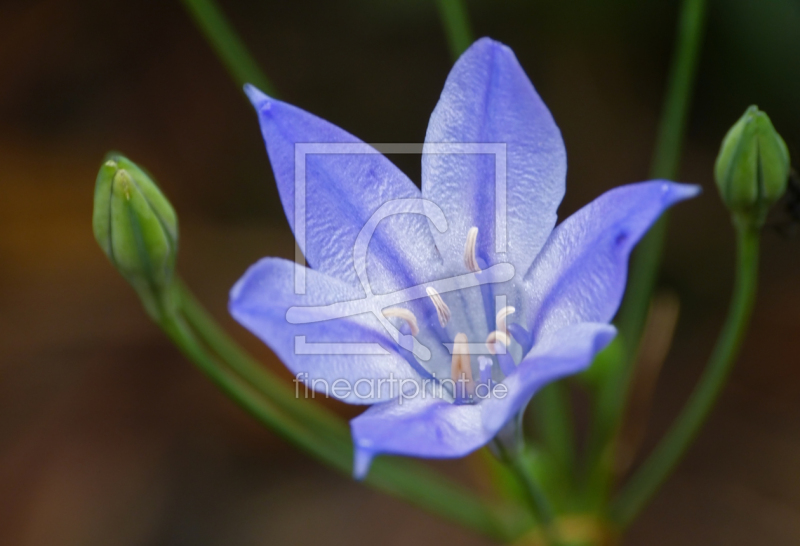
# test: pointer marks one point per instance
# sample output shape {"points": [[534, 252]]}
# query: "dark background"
{"points": [[107, 436]]}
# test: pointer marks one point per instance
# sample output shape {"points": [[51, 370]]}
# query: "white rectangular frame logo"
{"points": [[303, 149]]}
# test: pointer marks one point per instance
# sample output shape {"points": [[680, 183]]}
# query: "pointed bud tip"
{"points": [[122, 183], [136, 227]]}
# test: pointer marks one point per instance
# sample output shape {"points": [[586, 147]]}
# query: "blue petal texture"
{"points": [[580, 274], [342, 191], [260, 301], [433, 428], [488, 99], [569, 280]]}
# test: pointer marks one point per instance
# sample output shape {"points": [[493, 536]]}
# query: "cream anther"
{"points": [[442, 310], [470, 260], [405, 314]]}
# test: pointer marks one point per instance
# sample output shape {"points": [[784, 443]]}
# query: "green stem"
{"points": [[666, 160], [321, 433], [247, 397], [230, 49], [541, 509], [668, 453], [251, 370], [667, 154], [646, 258], [456, 25], [554, 422]]}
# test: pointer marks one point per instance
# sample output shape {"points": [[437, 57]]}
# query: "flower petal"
{"points": [[426, 426], [345, 181], [564, 352], [579, 276], [488, 99], [418, 427], [261, 301]]}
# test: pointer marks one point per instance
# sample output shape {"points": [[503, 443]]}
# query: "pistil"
{"points": [[461, 370]]}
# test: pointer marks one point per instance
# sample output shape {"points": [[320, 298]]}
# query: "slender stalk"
{"points": [[646, 259], [321, 433], [230, 49], [539, 503], [456, 25], [672, 447], [237, 389], [251, 370], [537, 500], [554, 421], [666, 160]]}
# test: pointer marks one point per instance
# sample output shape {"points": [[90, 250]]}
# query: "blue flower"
{"points": [[462, 299]]}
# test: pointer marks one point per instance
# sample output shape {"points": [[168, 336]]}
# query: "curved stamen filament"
{"points": [[442, 310], [405, 314], [470, 260]]}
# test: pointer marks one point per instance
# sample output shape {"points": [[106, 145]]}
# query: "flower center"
{"points": [[495, 349]]}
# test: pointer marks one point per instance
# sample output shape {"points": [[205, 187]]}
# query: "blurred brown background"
{"points": [[107, 436]]}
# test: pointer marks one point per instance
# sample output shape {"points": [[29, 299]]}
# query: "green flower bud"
{"points": [[137, 228], [752, 167]]}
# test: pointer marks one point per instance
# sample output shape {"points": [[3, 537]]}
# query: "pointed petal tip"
{"points": [[487, 46], [677, 191], [361, 463], [260, 100]]}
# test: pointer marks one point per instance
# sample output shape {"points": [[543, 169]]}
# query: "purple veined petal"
{"points": [[418, 427], [426, 426], [580, 274], [263, 297], [564, 352], [488, 99], [345, 181]]}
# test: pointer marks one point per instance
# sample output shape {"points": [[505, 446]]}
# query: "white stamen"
{"points": [[442, 310], [460, 367], [405, 314], [494, 337], [501, 318], [470, 260]]}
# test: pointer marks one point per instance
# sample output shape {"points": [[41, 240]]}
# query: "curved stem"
{"points": [[646, 259], [456, 25], [537, 499], [666, 160], [320, 432], [668, 453], [552, 412], [250, 369], [237, 389], [230, 49]]}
